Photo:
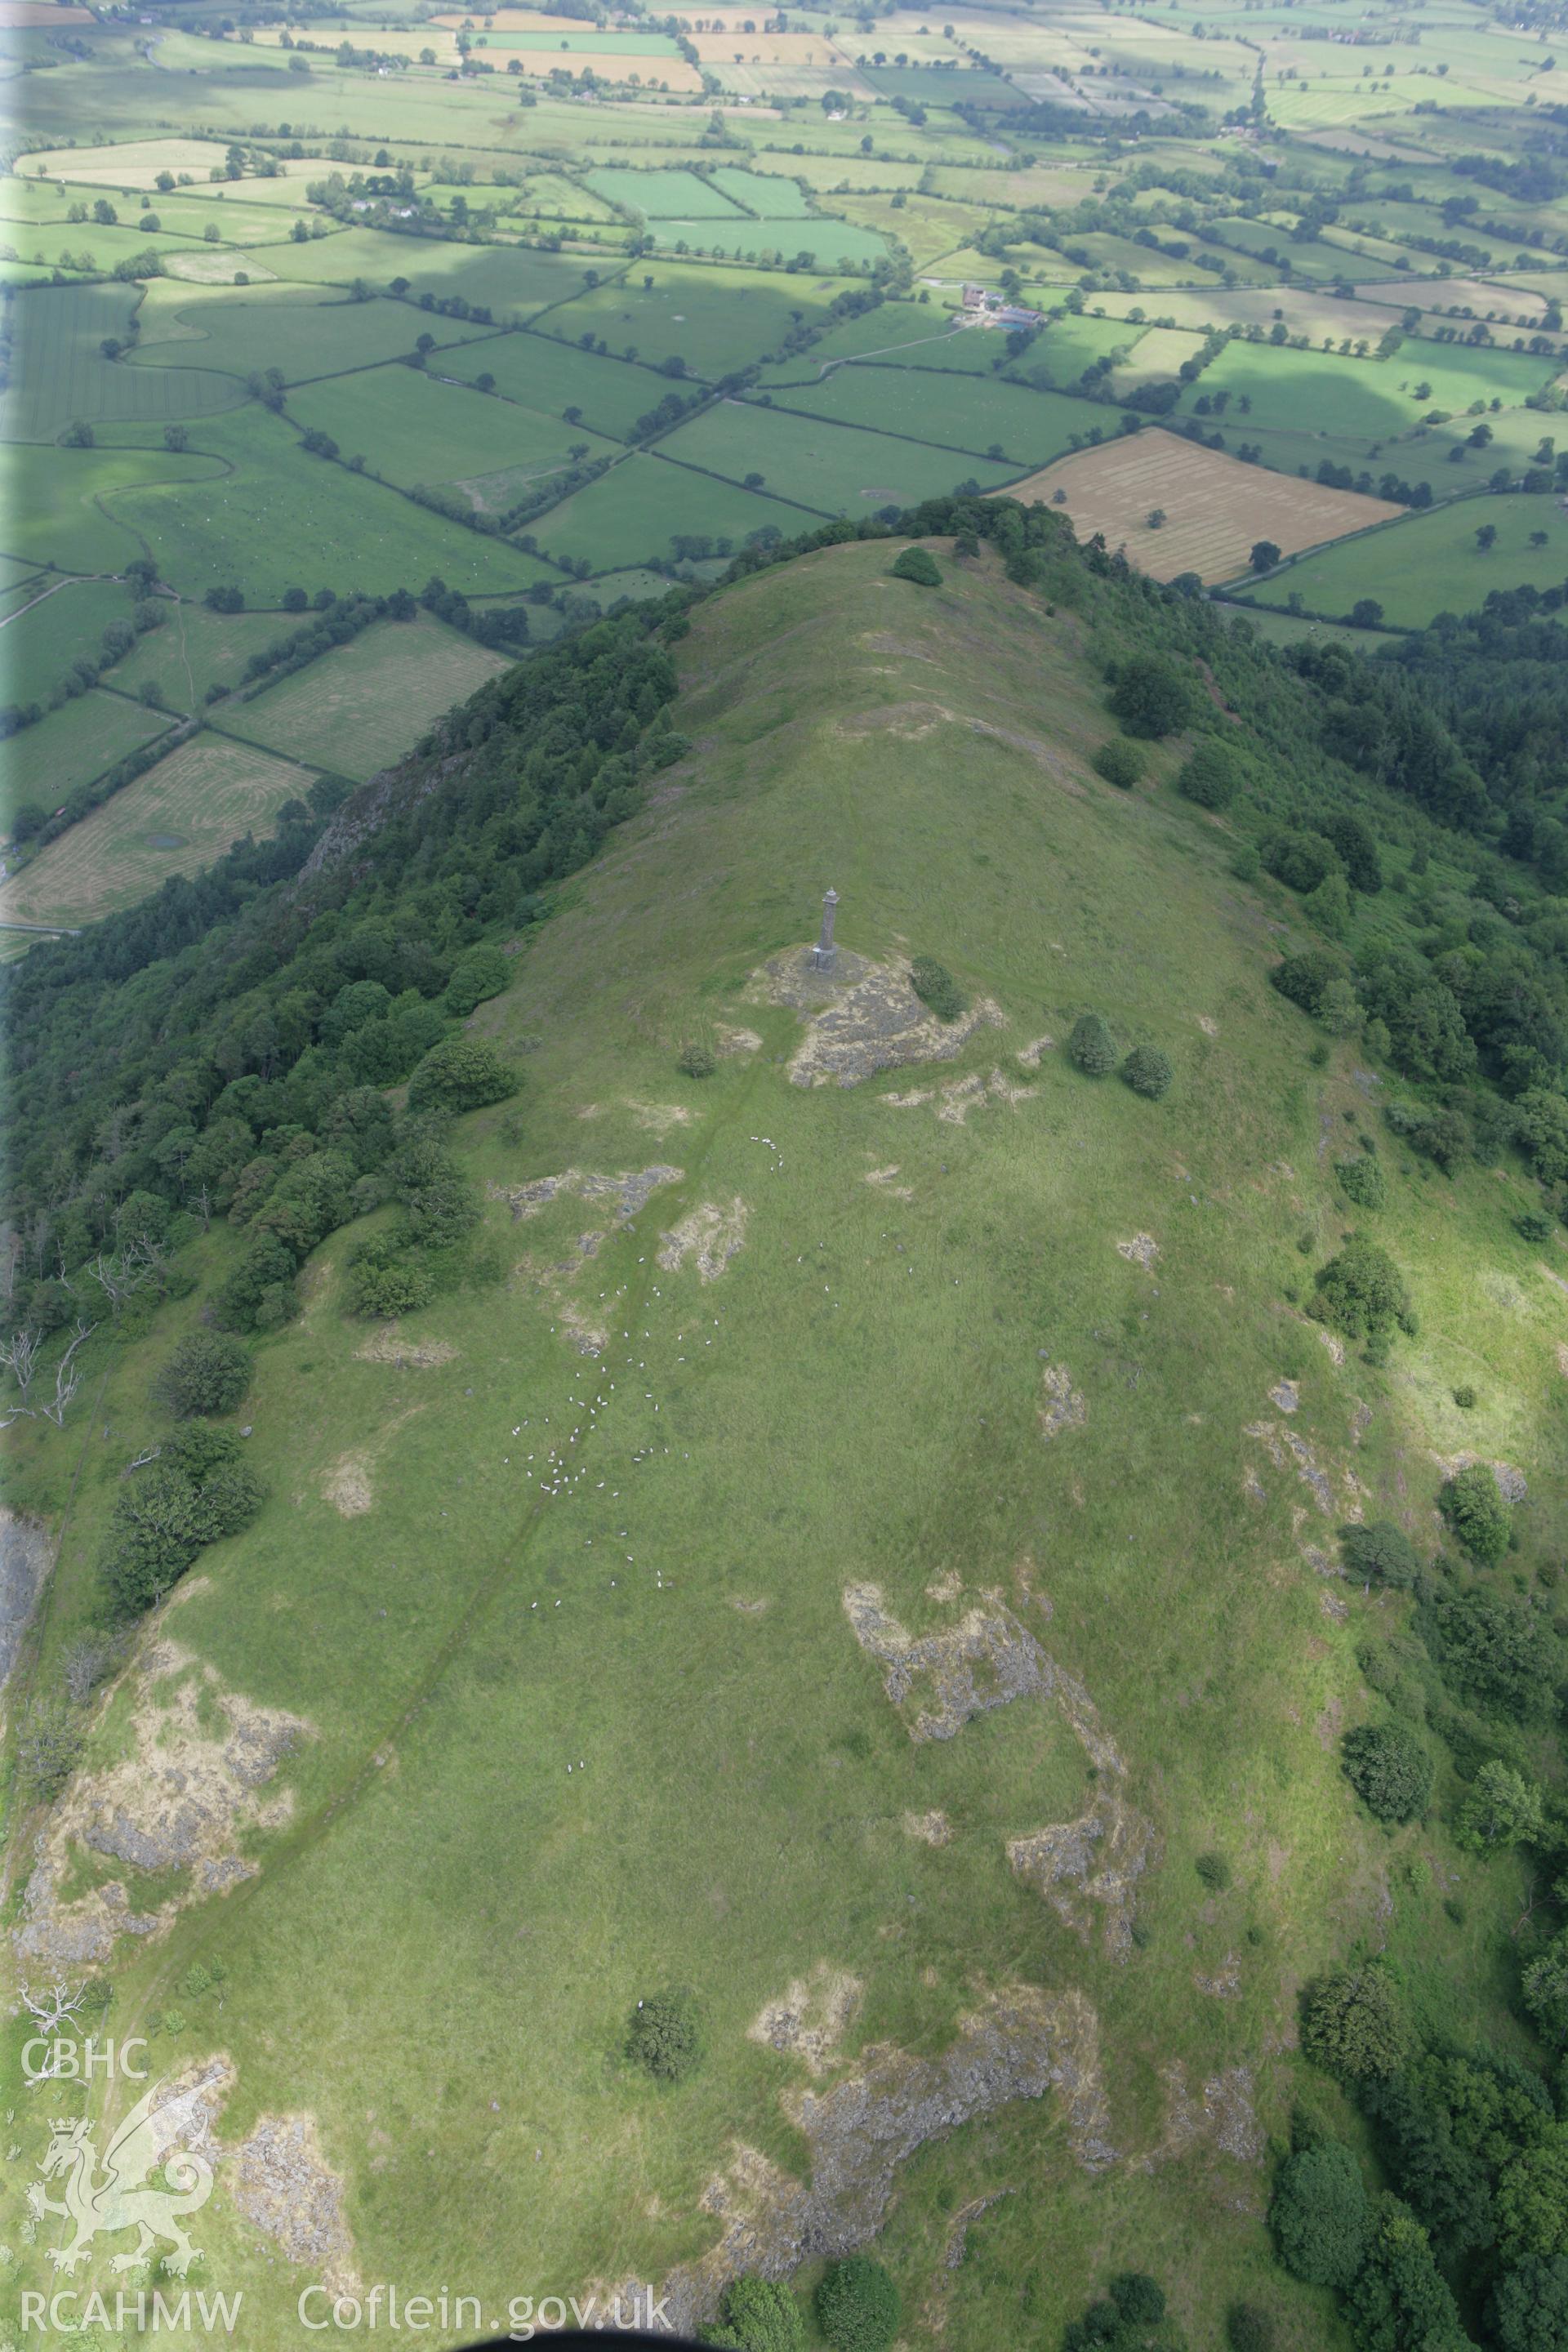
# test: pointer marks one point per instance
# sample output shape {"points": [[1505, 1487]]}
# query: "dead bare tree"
{"points": [[120, 1276], [19, 1355], [68, 1379], [58, 2007]]}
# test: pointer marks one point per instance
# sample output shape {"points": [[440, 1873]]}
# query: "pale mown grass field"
{"points": [[176, 819]]}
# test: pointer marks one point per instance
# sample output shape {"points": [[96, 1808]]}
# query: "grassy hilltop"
{"points": [[547, 1651]]}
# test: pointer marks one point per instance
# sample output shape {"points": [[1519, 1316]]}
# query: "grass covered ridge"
{"points": [[1010, 1335]]}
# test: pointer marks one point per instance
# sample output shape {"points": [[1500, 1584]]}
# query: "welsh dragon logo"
{"points": [[100, 2204]]}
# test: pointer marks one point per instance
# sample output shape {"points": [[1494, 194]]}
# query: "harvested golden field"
{"points": [[1216, 507]]}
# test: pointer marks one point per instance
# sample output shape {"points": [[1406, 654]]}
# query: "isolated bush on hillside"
{"points": [[935, 986], [1501, 1655], [461, 1074], [1318, 981], [758, 2316], [482, 972], [1502, 1810], [1361, 1291], [1357, 846], [697, 1059], [261, 1293], [1119, 762], [1299, 859], [1362, 1181], [1380, 1553], [380, 1280], [1389, 1770], [1150, 698], [1212, 777], [858, 2305], [1131, 2316], [1320, 2215], [1091, 1048], [1329, 906], [197, 1491], [665, 2036], [1148, 1072], [918, 563], [1473, 1506], [1353, 2026], [1249, 2328], [208, 1373]]}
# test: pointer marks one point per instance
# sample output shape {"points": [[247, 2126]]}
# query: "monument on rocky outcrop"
{"points": [[824, 952]]}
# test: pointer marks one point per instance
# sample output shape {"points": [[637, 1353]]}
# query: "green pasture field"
{"points": [[237, 222], [60, 373], [714, 319], [410, 427], [1158, 352], [361, 706], [638, 584], [511, 281], [550, 376], [662, 195], [836, 467], [896, 334], [829, 241], [969, 413], [90, 246], [1460, 372], [72, 746], [303, 332], [1429, 563], [887, 1350], [1155, 270], [641, 506], [24, 201], [930, 87], [1303, 310], [833, 174], [196, 649], [57, 511], [176, 819], [1276, 628], [1397, 221], [1069, 345], [243, 528], [39, 643], [926, 226], [1309, 389], [771, 196]]}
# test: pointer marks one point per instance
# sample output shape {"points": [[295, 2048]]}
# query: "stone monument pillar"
{"points": [[824, 952]]}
